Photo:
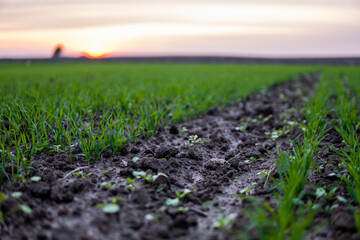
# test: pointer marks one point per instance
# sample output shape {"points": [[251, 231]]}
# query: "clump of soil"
{"points": [[216, 156]]}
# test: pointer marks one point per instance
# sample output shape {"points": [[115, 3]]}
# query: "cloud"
{"points": [[84, 14], [165, 25]]}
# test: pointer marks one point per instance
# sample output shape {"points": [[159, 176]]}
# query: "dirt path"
{"points": [[231, 149]]}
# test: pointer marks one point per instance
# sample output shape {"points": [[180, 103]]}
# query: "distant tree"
{"points": [[57, 51]]}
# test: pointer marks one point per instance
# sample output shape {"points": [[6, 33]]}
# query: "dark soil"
{"points": [[233, 150]]}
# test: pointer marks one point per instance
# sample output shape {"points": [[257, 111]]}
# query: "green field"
{"points": [[337, 93], [103, 107], [49, 106]]}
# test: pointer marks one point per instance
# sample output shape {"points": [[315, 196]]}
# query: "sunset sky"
{"points": [[293, 28]]}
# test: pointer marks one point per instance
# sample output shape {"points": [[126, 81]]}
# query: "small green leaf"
{"points": [[172, 202], [115, 200], [207, 204], [158, 175], [3, 197], [138, 174], [183, 209], [178, 194], [184, 194], [101, 205], [131, 187], [332, 191], [316, 206], [25, 209], [242, 128], [149, 178], [149, 217], [111, 208], [135, 159], [341, 199], [334, 206], [35, 178], [16, 195], [320, 192]]}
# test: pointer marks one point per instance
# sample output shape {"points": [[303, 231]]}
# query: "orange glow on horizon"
{"points": [[95, 55], [95, 50]]}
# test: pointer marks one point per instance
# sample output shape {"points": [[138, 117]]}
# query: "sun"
{"points": [[95, 52], [94, 55]]}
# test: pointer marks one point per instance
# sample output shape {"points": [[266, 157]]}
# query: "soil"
{"points": [[233, 149]]}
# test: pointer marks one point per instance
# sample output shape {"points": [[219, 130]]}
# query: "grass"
{"points": [[102, 107], [347, 110], [292, 215]]}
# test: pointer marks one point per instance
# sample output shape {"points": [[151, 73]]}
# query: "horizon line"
{"points": [[347, 61], [184, 56]]}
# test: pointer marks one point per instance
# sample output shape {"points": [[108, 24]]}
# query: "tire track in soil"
{"points": [[64, 208]]}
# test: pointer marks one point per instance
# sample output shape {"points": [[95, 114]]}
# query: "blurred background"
{"points": [[296, 28]]}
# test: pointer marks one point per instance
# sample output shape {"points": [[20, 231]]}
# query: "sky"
{"points": [[258, 28]]}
